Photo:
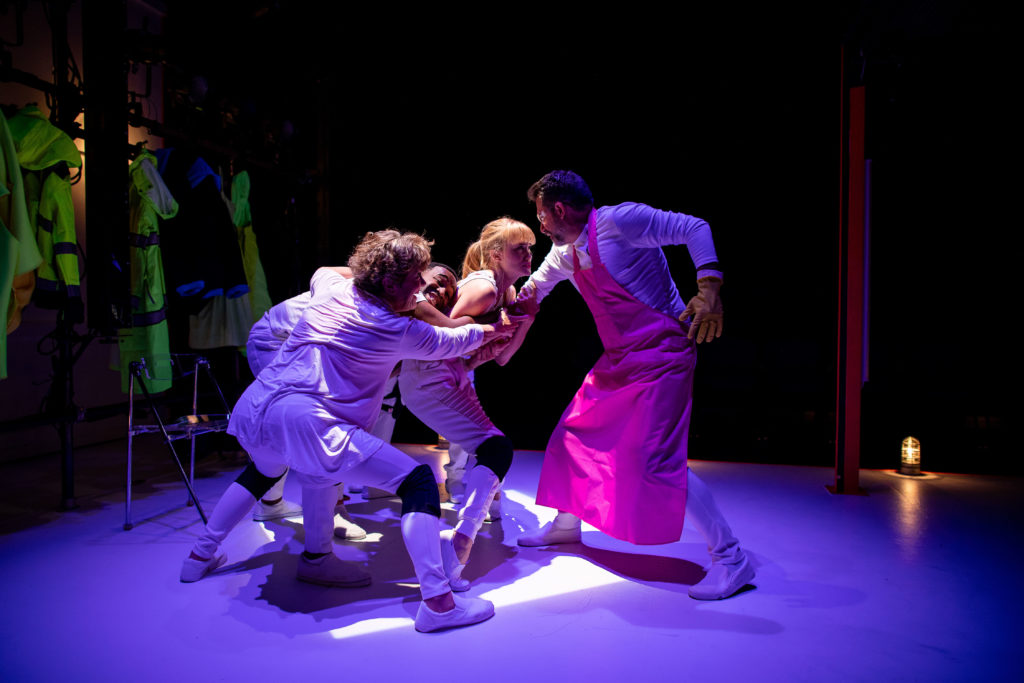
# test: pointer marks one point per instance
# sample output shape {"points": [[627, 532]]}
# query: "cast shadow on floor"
{"points": [[496, 561]]}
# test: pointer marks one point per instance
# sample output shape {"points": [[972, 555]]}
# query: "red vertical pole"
{"points": [[850, 357], [854, 295]]}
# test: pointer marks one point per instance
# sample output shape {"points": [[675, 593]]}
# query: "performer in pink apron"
{"points": [[625, 430], [617, 458]]}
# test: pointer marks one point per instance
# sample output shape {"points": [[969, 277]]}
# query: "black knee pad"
{"points": [[419, 492], [495, 454], [257, 484]]}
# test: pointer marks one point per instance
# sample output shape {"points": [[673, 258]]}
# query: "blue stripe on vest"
{"points": [[144, 319], [190, 289], [45, 284], [137, 240], [46, 224], [65, 248], [237, 291]]}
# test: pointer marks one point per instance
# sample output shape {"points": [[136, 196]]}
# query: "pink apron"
{"points": [[617, 458]]}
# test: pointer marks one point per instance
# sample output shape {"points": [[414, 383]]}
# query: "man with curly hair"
{"points": [[269, 334], [311, 411]]}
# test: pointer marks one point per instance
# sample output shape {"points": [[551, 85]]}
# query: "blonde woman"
{"points": [[442, 396]]}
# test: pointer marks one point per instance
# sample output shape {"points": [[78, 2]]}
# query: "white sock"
{"points": [[234, 505], [481, 484], [421, 533], [565, 521]]}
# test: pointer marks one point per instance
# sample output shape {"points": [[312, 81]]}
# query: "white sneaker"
{"points": [[549, 534], [723, 580], [331, 571], [278, 510], [193, 570], [494, 511], [452, 567], [344, 527], [467, 611], [456, 489]]}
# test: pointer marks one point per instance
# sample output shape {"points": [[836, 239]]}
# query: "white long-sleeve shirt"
{"points": [[629, 239], [342, 351], [271, 331]]}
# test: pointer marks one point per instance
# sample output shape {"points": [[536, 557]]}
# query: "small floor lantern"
{"points": [[910, 460]]}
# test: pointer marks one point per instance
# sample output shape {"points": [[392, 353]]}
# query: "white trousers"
{"points": [[703, 515], [442, 396], [386, 469], [383, 428]]}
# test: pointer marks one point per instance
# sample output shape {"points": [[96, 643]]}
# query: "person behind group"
{"points": [[310, 410], [442, 396], [617, 457], [265, 339]]}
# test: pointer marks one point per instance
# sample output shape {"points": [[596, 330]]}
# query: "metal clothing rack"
{"points": [[187, 427]]}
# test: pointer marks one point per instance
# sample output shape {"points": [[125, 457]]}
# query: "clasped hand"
{"points": [[502, 328], [526, 304]]}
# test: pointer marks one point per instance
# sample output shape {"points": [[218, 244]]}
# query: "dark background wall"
{"points": [[438, 122], [440, 127]]}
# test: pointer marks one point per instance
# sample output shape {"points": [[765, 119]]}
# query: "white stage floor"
{"points": [[915, 581]]}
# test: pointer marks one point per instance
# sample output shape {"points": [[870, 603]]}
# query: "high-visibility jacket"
{"points": [[149, 201], [19, 255], [45, 153], [200, 247], [259, 297]]}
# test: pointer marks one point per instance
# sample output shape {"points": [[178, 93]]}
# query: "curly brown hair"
{"points": [[387, 256]]}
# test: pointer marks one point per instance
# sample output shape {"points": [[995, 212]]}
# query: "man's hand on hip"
{"points": [[705, 309]]}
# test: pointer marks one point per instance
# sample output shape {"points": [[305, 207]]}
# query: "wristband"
{"points": [[701, 274]]}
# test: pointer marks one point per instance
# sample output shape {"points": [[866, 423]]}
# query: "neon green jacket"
{"points": [[259, 297], [19, 255], [149, 201], [45, 152]]}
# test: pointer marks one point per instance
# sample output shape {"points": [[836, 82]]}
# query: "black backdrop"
{"points": [[439, 123]]}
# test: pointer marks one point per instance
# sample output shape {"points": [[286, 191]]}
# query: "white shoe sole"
{"points": [[346, 533], [550, 537], [193, 570], [737, 581], [468, 611], [267, 515], [357, 581]]}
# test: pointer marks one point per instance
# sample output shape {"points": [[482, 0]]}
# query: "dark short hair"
{"points": [[438, 264], [562, 186]]}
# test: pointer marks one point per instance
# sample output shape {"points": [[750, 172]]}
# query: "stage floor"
{"points": [[918, 580]]}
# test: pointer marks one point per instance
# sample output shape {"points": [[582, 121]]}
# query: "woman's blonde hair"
{"points": [[494, 237], [387, 255]]}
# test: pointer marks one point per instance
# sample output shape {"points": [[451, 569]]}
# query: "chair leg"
{"points": [[128, 483], [174, 453], [131, 424]]}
